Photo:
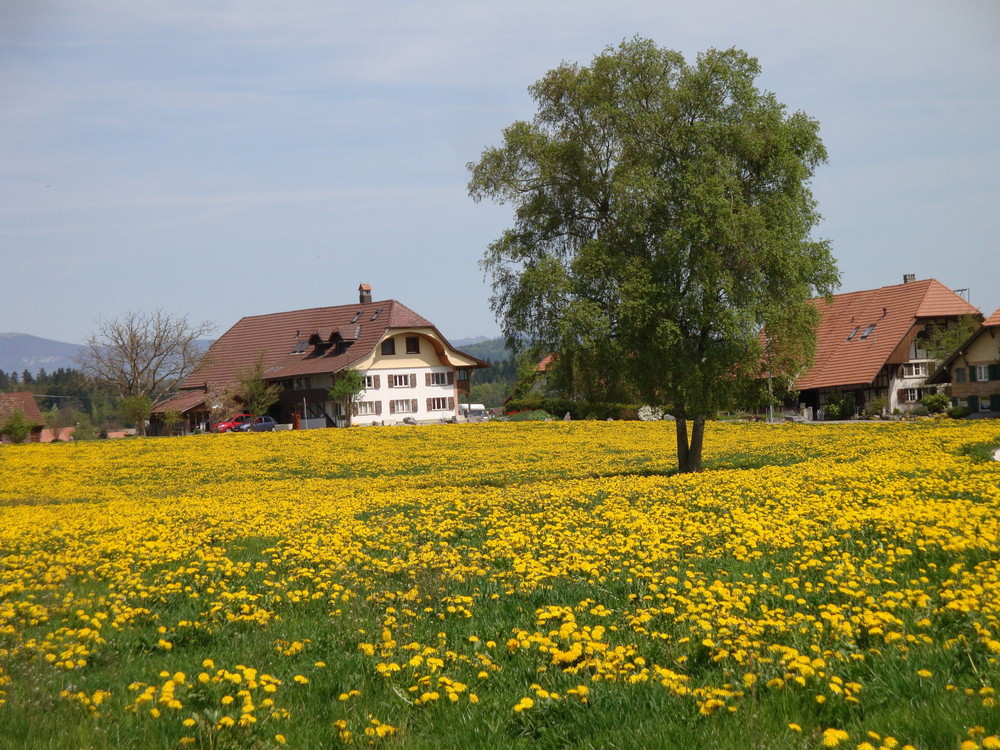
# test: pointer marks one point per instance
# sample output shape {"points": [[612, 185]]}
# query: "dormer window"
{"points": [[868, 332]]}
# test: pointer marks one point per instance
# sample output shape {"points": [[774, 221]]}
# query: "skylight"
{"points": [[376, 313], [868, 332], [853, 333], [300, 347]]}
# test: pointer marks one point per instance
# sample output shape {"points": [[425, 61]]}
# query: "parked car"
{"points": [[259, 424], [233, 422]]}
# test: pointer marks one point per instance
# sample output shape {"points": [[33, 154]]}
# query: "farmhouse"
{"points": [[410, 370], [974, 370], [24, 402], [869, 345]]}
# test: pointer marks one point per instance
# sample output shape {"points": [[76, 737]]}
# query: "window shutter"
{"points": [[391, 381], [974, 403], [354, 409], [378, 408], [994, 371], [392, 407], [413, 403], [427, 378], [995, 402], [429, 404], [413, 380], [972, 374], [901, 395], [451, 377], [451, 403], [377, 386], [954, 401]]}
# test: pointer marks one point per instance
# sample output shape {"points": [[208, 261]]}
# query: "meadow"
{"points": [[535, 585]]}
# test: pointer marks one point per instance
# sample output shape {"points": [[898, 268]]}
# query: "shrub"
{"points": [[878, 405], [935, 402], [534, 415], [16, 427], [958, 412], [920, 411]]}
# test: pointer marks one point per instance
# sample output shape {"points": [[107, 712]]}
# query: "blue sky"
{"points": [[222, 159]]}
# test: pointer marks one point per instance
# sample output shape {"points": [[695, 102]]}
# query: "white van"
{"points": [[473, 412]]}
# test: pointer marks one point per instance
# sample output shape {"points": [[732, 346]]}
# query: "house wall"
{"points": [[984, 350], [416, 389]]}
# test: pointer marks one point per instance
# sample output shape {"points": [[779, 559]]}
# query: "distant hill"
{"points": [[20, 352], [484, 348]]}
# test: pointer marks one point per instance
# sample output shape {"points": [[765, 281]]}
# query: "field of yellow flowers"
{"points": [[504, 585]]}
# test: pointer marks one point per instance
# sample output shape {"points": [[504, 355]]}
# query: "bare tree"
{"points": [[143, 353]]}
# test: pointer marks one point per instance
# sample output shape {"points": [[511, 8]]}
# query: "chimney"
{"points": [[365, 293], [909, 278]]}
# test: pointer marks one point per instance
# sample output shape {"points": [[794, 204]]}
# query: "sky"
{"points": [[222, 159]]}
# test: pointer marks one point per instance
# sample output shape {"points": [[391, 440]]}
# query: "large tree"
{"points": [[662, 222], [143, 353]]}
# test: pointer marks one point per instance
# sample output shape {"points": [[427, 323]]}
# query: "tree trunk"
{"points": [[689, 451]]}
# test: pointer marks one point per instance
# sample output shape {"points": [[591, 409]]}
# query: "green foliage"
{"points": [[920, 411], [135, 410], [878, 405], [532, 415], [16, 427], [347, 387], [662, 220], [936, 402], [255, 393], [942, 342], [839, 406], [576, 409], [959, 412]]}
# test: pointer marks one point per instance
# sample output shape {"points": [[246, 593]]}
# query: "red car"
{"points": [[233, 422]]}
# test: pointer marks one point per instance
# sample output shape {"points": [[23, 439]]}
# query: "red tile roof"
{"points": [[994, 319], [277, 337], [890, 313], [23, 401], [182, 402]]}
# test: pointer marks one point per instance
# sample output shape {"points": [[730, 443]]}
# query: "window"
{"points": [[867, 333], [915, 369], [985, 404], [371, 382], [303, 384], [368, 408], [960, 375], [911, 395], [413, 345], [403, 381], [389, 347], [463, 374], [440, 404], [300, 347], [403, 406], [852, 334], [440, 378], [982, 373], [356, 316], [376, 313]]}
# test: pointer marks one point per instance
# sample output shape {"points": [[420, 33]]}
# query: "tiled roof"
{"points": [[888, 314], [23, 401], [182, 402], [286, 341], [994, 319]]}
